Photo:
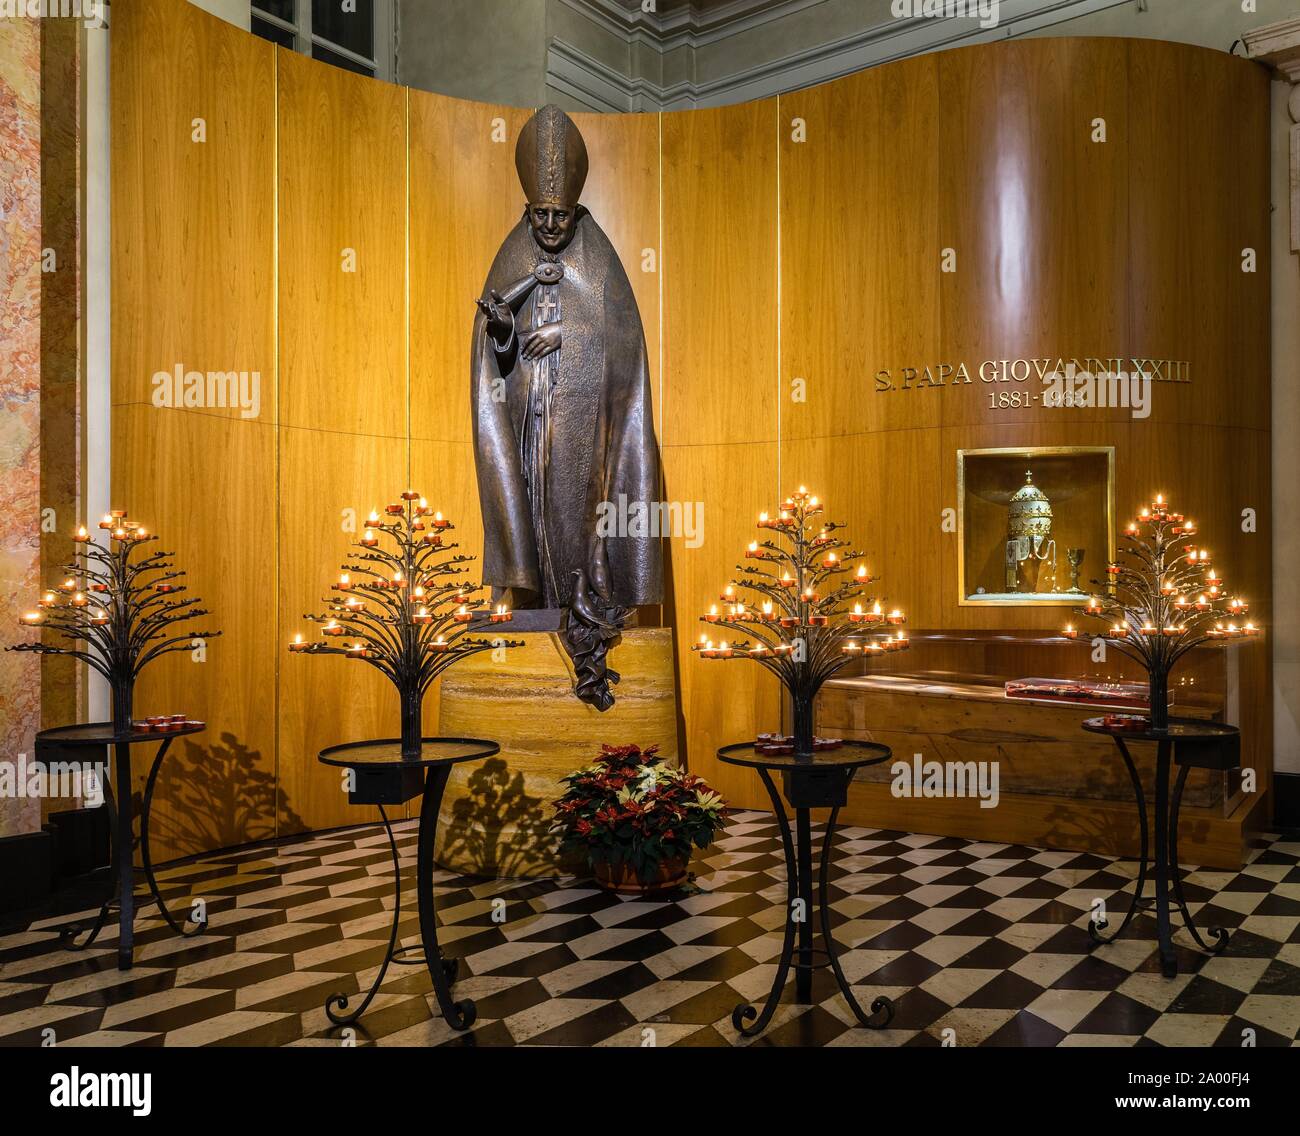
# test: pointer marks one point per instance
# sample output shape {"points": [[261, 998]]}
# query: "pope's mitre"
{"points": [[551, 158]]}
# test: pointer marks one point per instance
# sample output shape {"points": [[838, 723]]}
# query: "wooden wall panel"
{"points": [[201, 483], [326, 699], [720, 397], [859, 250], [622, 193], [720, 701], [777, 259], [884, 487], [1198, 190], [1034, 211], [342, 190], [455, 156], [192, 285], [193, 221], [720, 275], [860, 293], [1208, 442], [344, 370]]}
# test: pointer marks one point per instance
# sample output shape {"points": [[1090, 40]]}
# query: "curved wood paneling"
{"points": [[346, 409], [193, 199], [193, 285], [947, 209], [720, 398], [860, 292]]}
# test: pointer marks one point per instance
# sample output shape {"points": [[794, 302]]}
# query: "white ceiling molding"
{"points": [[576, 73], [1277, 45], [598, 86], [684, 26]]}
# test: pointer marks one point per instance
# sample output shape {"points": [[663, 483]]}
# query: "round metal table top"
{"points": [[383, 752], [101, 733], [1179, 729], [848, 755]]}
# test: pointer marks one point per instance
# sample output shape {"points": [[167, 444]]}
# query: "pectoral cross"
{"points": [[546, 306]]}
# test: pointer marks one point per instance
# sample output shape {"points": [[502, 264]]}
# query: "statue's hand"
{"points": [[536, 344], [500, 319]]}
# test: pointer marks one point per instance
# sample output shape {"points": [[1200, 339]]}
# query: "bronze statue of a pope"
{"points": [[563, 426]]}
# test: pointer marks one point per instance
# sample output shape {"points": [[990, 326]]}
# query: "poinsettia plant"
{"points": [[630, 809]]}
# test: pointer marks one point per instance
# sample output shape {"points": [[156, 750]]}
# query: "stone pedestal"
{"points": [[496, 813]]}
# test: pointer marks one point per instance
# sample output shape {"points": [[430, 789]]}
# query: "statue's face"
{"points": [[552, 224]]}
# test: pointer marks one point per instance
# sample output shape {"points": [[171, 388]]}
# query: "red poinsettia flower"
{"points": [[612, 811]]}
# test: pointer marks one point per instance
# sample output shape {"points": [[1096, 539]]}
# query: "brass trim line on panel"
{"points": [[279, 424]]}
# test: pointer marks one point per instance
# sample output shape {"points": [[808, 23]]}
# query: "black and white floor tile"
{"points": [[985, 940]]}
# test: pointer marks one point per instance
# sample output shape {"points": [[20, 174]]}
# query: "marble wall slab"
{"points": [[20, 393]]}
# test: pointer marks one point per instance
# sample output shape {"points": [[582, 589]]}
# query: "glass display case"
{"points": [[1034, 525]]}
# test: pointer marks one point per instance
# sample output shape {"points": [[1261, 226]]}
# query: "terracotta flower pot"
{"points": [[623, 879]]}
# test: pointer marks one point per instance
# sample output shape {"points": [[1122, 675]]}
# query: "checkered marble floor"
{"points": [[985, 940]]}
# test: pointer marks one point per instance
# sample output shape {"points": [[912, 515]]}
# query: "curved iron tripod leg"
{"points": [[176, 925], [1164, 936], [458, 1015], [745, 1011], [1221, 935], [1094, 929], [341, 1000], [879, 1005], [68, 935]]}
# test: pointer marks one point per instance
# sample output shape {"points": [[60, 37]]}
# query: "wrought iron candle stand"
{"points": [[1161, 601], [782, 620], [120, 612], [409, 613]]}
